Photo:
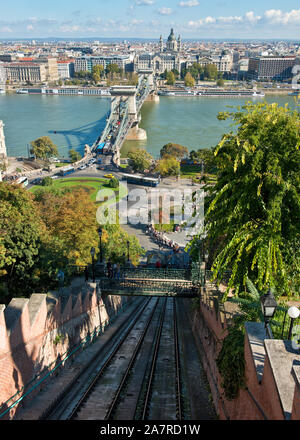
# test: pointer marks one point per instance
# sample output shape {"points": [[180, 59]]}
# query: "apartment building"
{"points": [[276, 68], [87, 63], [25, 72], [2, 74], [65, 69]]}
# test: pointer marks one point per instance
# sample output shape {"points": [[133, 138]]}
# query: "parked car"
{"points": [[36, 181]]}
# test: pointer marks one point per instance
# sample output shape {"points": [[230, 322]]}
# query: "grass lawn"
{"points": [[61, 164], [90, 184]]}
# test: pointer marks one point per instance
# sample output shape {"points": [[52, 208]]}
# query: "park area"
{"points": [[89, 184]]}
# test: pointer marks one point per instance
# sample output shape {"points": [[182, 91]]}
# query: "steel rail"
{"points": [[105, 365], [153, 363], [114, 402], [177, 364]]}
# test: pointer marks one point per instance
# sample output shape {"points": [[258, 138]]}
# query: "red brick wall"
{"points": [[27, 350], [259, 401]]}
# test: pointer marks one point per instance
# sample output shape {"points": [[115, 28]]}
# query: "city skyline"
{"points": [[193, 19]]}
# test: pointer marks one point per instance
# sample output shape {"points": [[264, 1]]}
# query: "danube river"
{"points": [[73, 121]]}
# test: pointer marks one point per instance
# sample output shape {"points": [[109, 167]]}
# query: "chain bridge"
{"points": [[122, 121]]}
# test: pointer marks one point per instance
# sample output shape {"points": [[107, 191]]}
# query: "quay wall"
{"points": [[272, 367], [37, 333]]}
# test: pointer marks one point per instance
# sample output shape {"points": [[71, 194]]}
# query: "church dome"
{"points": [[171, 37]]}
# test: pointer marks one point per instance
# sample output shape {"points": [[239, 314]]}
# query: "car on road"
{"points": [[109, 176], [82, 167], [36, 181]]}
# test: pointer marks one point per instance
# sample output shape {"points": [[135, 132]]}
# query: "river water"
{"points": [[73, 121]]}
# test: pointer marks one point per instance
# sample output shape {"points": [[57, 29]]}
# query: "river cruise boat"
{"points": [[213, 93], [87, 91]]}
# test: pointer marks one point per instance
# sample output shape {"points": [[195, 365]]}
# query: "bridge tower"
{"points": [[118, 94], [153, 96]]}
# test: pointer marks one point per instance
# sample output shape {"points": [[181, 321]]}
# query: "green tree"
{"points": [[113, 182], [207, 156], [113, 68], [168, 166], [170, 78], [74, 155], [43, 148], [115, 245], [176, 150], [21, 234], [189, 80], [47, 181], [254, 208], [220, 82], [210, 72], [176, 73], [139, 160], [97, 73], [70, 219]]}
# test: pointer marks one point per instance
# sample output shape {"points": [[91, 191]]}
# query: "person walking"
{"points": [[86, 274], [109, 269], [118, 269]]}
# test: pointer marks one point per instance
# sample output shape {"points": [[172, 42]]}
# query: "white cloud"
{"points": [[29, 27], [251, 17], [135, 21], [6, 29], [276, 16], [69, 28], [189, 3], [144, 2], [270, 17], [164, 11]]}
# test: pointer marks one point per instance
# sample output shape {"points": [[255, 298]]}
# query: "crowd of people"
{"points": [[162, 239]]}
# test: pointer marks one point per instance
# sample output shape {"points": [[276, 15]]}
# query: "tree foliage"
{"points": [[139, 160], [43, 148], [255, 203], [168, 166], [74, 155], [175, 150], [189, 80], [207, 156], [170, 77]]}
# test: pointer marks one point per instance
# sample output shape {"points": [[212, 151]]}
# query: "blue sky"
{"points": [[150, 18]]}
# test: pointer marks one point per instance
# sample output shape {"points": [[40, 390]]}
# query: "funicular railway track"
{"points": [[141, 376]]}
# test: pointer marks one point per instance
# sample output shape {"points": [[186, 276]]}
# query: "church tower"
{"points": [[161, 44], [179, 43]]}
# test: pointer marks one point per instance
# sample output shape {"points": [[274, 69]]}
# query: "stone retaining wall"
{"points": [[36, 332], [272, 368]]}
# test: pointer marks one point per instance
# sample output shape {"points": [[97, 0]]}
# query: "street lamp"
{"points": [[100, 237], [293, 313], [93, 251], [268, 307], [127, 250]]}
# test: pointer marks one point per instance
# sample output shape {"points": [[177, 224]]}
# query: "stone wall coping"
{"points": [[296, 374], [283, 357], [256, 334]]}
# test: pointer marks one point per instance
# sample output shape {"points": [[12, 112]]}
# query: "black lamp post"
{"points": [[93, 262], [293, 313], [127, 250], [100, 237], [268, 307]]}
